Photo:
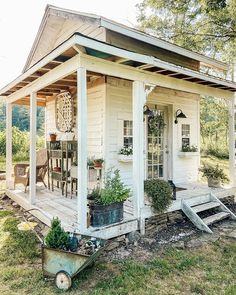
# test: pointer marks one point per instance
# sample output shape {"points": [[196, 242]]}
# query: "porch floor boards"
{"points": [[195, 189], [53, 204]]}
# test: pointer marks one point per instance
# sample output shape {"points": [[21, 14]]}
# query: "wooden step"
{"points": [[194, 201], [216, 217], [205, 206]]}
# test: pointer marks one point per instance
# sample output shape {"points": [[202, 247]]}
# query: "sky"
{"points": [[20, 20]]}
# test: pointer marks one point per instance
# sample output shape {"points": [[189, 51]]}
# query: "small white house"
{"points": [[101, 78]]}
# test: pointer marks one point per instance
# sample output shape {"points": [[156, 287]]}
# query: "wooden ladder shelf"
{"points": [[193, 206]]}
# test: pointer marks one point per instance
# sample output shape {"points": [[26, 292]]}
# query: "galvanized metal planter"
{"points": [[106, 214]]}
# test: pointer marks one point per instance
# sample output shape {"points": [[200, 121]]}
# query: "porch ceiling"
{"points": [[80, 44]]}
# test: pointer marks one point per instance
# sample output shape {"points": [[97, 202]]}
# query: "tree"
{"points": [[205, 26], [21, 118]]}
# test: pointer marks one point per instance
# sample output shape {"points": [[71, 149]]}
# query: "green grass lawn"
{"points": [[207, 270]]}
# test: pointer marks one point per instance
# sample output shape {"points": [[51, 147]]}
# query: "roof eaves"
{"points": [[37, 38], [136, 34]]}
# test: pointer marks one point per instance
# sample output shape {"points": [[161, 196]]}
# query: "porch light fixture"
{"points": [[179, 114], [147, 111]]}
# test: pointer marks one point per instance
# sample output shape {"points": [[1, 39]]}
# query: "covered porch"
{"points": [[49, 205], [72, 64]]}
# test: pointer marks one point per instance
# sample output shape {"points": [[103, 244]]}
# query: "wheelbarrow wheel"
{"points": [[63, 280]]}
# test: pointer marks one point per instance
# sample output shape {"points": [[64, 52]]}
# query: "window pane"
{"points": [[186, 130], [128, 133], [160, 170]]}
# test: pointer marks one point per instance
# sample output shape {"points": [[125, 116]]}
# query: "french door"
{"points": [[156, 150]]}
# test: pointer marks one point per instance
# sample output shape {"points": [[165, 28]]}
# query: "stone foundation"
{"points": [[161, 221]]}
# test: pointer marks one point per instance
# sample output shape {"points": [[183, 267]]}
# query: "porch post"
{"points": [[232, 142], [82, 148], [8, 143], [33, 130], [139, 97]]}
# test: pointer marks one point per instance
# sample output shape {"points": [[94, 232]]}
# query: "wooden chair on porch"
{"points": [[21, 170]]}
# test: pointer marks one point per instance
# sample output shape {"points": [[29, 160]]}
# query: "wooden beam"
{"points": [[51, 77], [145, 66], [27, 103], [82, 149], [8, 144], [139, 98], [51, 56], [33, 130], [64, 83], [125, 72]]}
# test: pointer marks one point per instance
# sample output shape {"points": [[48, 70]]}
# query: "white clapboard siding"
{"points": [[105, 129], [96, 98], [58, 29], [119, 108], [85, 28]]}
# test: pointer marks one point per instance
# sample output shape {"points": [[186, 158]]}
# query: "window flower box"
{"points": [[189, 151], [125, 158], [125, 154], [188, 154]]}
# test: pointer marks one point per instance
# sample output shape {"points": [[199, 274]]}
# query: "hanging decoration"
{"points": [[156, 123]]}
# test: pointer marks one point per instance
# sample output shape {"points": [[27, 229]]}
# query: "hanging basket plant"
{"points": [[156, 124]]}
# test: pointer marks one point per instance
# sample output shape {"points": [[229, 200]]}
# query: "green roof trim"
{"points": [[97, 53]]}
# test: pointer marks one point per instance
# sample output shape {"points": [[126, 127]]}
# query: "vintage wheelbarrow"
{"points": [[62, 265]]}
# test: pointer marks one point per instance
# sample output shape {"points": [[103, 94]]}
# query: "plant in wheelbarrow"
{"points": [[62, 264], [107, 204], [57, 238]]}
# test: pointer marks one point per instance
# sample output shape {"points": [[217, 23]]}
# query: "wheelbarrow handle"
{"points": [[31, 227]]}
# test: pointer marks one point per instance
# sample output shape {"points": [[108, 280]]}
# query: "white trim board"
{"points": [[100, 46], [124, 30]]}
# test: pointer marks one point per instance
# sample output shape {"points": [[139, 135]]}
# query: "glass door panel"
{"points": [[155, 154]]}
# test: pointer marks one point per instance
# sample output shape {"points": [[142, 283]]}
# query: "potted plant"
{"points": [[98, 163], [53, 136], [215, 175], [125, 154], [106, 206], [189, 151]]}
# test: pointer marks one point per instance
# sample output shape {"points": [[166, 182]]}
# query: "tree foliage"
{"points": [[21, 118], [205, 26]]}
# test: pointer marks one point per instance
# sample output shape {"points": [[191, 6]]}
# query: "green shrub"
{"points": [[114, 190], [20, 144], [57, 238], [160, 193], [220, 152]]}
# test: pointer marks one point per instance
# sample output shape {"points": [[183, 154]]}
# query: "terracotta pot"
{"points": [[97, 164], [53, 137], [213, 182]]}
